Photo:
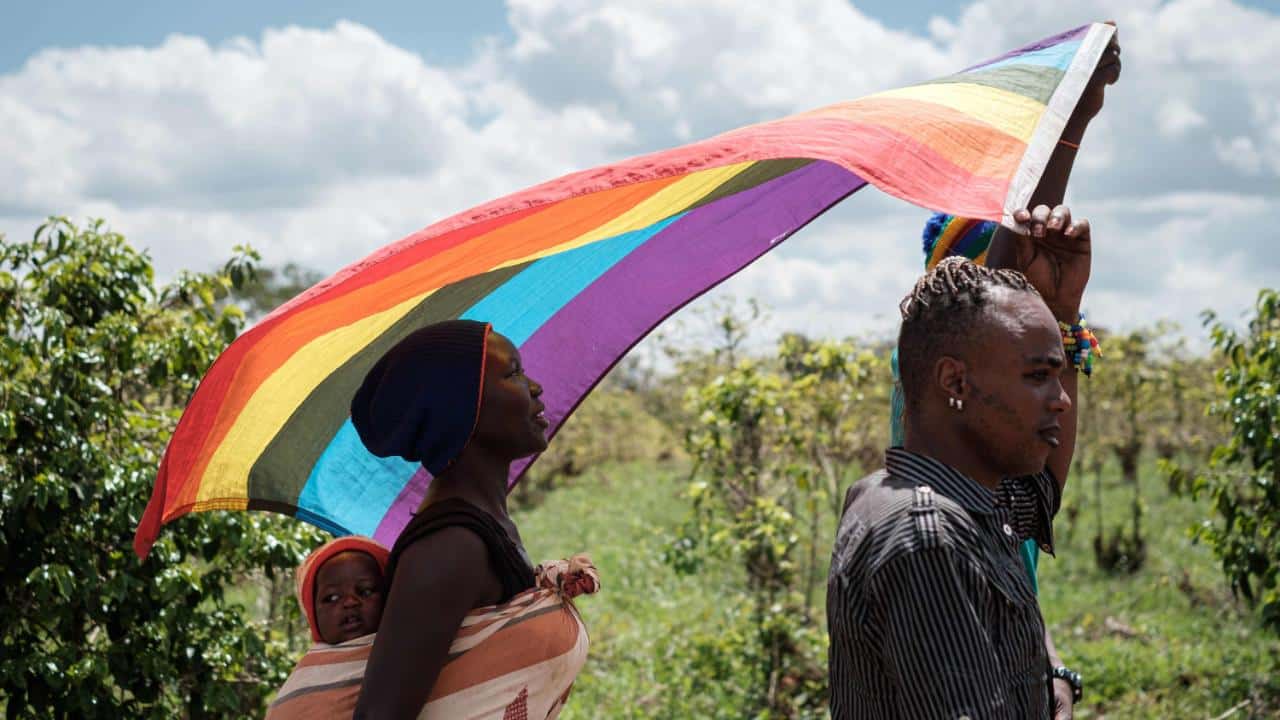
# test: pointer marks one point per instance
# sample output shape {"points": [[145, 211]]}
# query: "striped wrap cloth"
{"points": [[514, 661]]}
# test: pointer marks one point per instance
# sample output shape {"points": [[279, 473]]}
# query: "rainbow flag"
{"points": [[575, 271]]}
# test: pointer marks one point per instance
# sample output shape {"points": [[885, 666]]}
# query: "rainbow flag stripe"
{"points": [[577, 270], [961, 236]]}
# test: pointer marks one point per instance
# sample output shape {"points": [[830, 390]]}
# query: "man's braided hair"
{"points": [[941, 314]]}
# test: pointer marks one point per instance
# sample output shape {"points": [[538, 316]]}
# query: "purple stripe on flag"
{"points": [[1038, 45], [401, 510], [579, 344]]}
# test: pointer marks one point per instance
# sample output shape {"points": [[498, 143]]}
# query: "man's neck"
{"points": [[947, 445]]}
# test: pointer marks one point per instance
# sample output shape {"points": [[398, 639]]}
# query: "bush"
{"points": [[1243, 479], [611, 426], [95, 365]]}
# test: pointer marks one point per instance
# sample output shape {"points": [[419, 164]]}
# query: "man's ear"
{"points": [[950, 375]]}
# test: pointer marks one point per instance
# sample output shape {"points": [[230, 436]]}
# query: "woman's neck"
{"points": [[475, 477]]}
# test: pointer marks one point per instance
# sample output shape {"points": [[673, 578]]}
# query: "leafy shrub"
{"points": [[1243, 479], [94, 367]]}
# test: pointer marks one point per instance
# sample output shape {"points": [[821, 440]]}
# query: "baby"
{"points": [[341, 590], [340, 587]]}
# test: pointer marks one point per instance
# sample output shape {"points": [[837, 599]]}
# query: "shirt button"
{"points": [[1008, 530]]}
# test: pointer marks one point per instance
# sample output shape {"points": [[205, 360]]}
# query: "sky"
{"points": [[317, 132]]}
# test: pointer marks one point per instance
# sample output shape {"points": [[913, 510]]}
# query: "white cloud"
{"points": [[709, 66], [1176, 117], [1240, 153], [1216, 206], [1189, 66], [318, 145]]}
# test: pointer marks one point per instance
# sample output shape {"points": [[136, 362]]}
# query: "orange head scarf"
{"points": [[307, 571]]}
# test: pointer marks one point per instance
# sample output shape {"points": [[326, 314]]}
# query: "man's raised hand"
{"points": [[1056, 257]]}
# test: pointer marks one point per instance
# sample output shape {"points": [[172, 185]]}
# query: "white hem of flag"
{"points": [[1049, 130]]}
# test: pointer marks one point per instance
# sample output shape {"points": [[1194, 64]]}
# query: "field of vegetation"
{"points": [[1136, 598], [705, 485], [1165, 642]]}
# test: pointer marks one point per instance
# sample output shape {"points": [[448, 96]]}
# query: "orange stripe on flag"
{"points": [[525, 237], [969, 144]]}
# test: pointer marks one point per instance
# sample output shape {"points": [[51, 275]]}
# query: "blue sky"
{"points": [[444, 37], [440, 32], [318, 132]]}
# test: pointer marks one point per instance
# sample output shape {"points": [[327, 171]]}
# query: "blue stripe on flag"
{"points": [[520, 306], [356, 488], [1055, 56]]}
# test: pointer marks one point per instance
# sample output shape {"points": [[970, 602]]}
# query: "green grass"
{"points": [[1193, 650], [620, 515], [1177, 644]]}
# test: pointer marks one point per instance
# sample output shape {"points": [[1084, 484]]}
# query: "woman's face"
{"points": [[349, 597], [511, 422]]}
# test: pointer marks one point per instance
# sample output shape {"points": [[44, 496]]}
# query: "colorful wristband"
{"points": [[1081, 345]]}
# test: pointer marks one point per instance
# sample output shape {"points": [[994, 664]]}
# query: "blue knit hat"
{"points": [[421, 400]]}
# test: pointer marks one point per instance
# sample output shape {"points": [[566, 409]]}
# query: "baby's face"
{"points": [[349, 597]]}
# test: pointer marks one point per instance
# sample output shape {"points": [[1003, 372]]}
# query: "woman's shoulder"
{"points": [[467, 535], [448, 513], [451, 528], [448, 510], [450, 553]]}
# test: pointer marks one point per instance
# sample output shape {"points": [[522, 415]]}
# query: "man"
{"points": [[930, 610], [945, 236]]}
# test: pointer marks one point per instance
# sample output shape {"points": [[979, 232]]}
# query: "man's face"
{"points": [[349, 597], [1014, 375]]}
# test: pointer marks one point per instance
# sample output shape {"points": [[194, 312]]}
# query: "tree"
{"points": [[267, 288], [745, 491], [95, 366], [1243, 478], [837, 397], [1185, 434], [1122, 399], [612, 425], [774, 440]]}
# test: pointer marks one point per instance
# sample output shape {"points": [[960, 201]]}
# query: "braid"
{"points": [[957, 281], [941, 312]]}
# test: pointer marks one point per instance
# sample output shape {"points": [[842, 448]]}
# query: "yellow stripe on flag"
{"points": [[668, 201], [271, 405], [1007, 111], [227, 474]]}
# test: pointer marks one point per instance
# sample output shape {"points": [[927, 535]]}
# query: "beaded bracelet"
{"points": [[1073, 679], [1080, 344]]}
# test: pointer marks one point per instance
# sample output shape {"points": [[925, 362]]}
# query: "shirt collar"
{"points": [[941, 477]]}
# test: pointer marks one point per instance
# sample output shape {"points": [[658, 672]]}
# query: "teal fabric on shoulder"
{"points": [[897, 406], [1031, 560]]}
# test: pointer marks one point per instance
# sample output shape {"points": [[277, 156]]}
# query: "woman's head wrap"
{"points": [[945, 235], [305, 580], [421, 400]]}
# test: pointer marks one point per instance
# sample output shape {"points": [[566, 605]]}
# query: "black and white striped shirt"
{"points": [[930, 610]]}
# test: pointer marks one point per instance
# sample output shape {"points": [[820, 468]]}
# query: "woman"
{"points": [[341, 590], [470, 628]]}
